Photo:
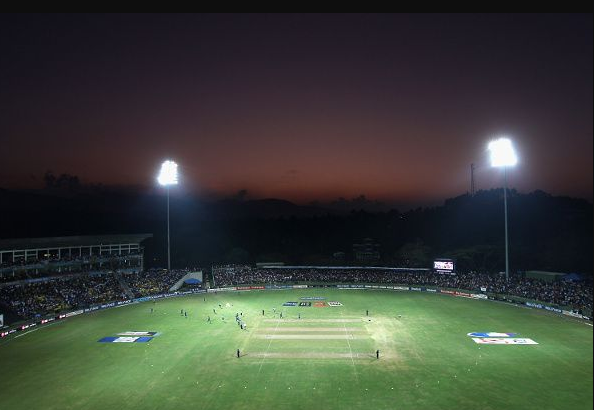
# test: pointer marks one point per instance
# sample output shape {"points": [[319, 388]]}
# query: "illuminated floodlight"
{"points": [[168, 174], [503, 156], [502, 153]]}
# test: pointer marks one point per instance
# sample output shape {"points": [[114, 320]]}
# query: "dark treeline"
{"points": [[546, 232]]}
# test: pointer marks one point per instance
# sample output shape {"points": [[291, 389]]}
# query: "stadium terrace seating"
{"points": [[69, 291], [12, 271], [38, 297], [577, 295], [153, 281]]}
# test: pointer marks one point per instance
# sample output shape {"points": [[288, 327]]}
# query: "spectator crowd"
{"points": [[54, 265], [577, 295], [83, 289], [153, 281], [39, 298], [70, 292]]}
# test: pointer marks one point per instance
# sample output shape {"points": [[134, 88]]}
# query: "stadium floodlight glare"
{"points": [[502, 153], [168, 174], [503, 156], [167, 177]]}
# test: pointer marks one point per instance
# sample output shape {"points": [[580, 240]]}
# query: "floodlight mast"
{"points": [[167, 177], [503, 156]]}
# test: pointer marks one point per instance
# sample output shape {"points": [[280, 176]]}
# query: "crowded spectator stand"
{"points": [[574, 295], [85, 291]]}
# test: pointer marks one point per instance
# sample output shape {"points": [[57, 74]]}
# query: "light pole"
{"points": [[167, 177], [503, 156]]}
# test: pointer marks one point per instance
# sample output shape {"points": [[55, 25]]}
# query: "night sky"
{"points": [[300, 107]]}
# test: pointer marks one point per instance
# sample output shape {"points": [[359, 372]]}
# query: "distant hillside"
{"points": [[263, 208], [545, 232]]}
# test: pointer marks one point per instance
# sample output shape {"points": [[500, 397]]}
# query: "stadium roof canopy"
{"points": [[71, 241]]}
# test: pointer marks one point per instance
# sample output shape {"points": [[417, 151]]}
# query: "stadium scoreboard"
{"points": [[444, 266]]}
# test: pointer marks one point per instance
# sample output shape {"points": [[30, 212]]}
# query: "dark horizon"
{"points": [[299, 107], [72, 186], [546, 232]]}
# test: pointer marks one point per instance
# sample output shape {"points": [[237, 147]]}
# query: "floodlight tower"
{"points": [[503, 156], [167, 177]]}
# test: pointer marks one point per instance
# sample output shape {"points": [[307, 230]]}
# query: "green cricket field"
{"points": [[332, 349]]}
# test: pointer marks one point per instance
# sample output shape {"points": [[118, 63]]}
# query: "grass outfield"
{"points": [[325, 360]]}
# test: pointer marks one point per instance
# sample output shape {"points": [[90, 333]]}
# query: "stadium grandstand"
{"points": [[575, 296], [45, 276], [28, 258]]}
